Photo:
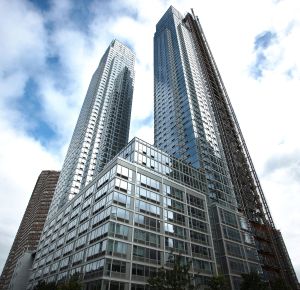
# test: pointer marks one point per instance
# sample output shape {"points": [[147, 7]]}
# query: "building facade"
{"points": [[195, 122], [122, 227], [19, 261], [143, 208], [103, 124]]}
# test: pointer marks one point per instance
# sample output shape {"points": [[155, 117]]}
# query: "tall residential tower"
{"points": [[103, 125], [19, 262], [195, 122]]}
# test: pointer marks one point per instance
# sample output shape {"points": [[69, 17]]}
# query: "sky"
{"points": [[50, 49]]}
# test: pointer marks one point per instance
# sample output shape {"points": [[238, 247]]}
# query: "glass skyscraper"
{"points": [[103, 125], [195, 122]]}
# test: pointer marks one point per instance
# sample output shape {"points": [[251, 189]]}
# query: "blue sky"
{"points": [[50, 49]]}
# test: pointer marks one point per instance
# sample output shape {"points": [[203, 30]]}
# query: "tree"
{"points": [[279, 284], [253, 281], [218, 283], [72, 284], [177, 278], [42, 285]]}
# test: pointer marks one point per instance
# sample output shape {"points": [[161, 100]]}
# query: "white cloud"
{"points": [[266, 109]]}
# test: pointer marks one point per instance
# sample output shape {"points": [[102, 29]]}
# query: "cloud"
{"points": [[275, 47], [285, 160], [264, 40], [264, 57]]}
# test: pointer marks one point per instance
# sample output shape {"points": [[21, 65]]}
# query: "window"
{"points": [[51, 248], [67, 249], [75, 213], [59, 217], [146, 238], [77, 201], [80, 242], [197, 213], [120, 214], [231, 234], [46, 270], [173, 204], [59, 243], [64, 263], [72, 224], [93, 269], [201, 252], [176, 245], [101, 192], [124, 172], [234, 249], [174, 217], [86, 204], [247, 238], [100, 205], [251, 254], [243, 223], [67, 210], [104, 179], [123, 186], [89, 191], [83, 228], [61, 232], [147, 222], [195, 201], [142, 270], [57, 226], [147, 182], [147, 194], [49, 259], [54, 267], [62, 276], [202, 266], [116, 248], [147, 208], [228, 218], [198, 225], [199, 238], [98, 234], [237, 266], [100, 218], [119, 231], [70, 236], [121, 199], [115, 266], [64, 221], [84, 216], [146, 255], [57, 255], [96, 250], [176, 231], [173, 192]]}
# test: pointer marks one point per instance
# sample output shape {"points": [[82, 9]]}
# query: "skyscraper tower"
{"points": [[103, 125], [195, 122], [25, 243]]}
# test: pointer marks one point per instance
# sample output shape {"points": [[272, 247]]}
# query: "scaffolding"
{"points": [[274, 258]]}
